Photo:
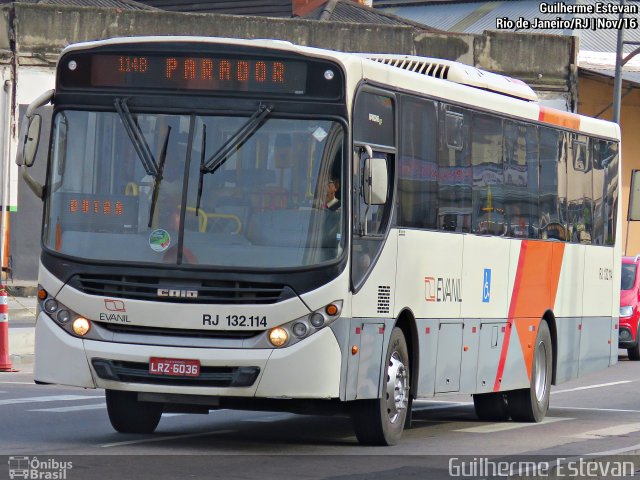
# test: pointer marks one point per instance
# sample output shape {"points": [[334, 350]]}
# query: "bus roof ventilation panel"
{"points": [[458, 73]]}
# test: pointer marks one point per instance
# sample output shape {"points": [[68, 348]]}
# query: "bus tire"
{"points": [[127, 414], [380, 421], [531, 404], [491, 406]]}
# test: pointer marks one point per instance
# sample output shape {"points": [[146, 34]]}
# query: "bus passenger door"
{"points": [[373, 248]]}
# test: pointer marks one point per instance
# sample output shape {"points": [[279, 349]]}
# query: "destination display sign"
{"points": [[198, 72]]}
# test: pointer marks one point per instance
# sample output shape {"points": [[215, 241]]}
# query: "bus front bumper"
{"points": [[308, 369]]}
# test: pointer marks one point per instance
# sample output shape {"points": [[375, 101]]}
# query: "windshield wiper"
{"points": [[220, 156], [202, 162], [158, 177], [137, 137]]}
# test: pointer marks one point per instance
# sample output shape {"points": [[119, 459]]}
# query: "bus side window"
{"points": [[454, 170], [488, 177], [553, 174], [580, 191], [417, 165], [521, 179], [605, 191]]}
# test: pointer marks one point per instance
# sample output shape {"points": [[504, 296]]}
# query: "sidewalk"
{"points": [[22, 303]]}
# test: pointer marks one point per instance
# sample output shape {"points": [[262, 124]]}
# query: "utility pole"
{"points": [[617, 81]]}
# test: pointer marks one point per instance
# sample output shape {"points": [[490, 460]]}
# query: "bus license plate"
{"points": [[177, 367]]}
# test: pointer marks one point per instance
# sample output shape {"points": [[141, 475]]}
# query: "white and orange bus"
{"points": [[253, 224]]}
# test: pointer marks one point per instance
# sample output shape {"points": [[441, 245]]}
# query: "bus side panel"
{"points": [[470, 353], [485, 277], [595, 344], [428, 330], [429, 274], [568, 311], [569, 331], [515, 373], [570, 298], [492, 338], [596, 340], [598, 282], [449, 356], [375, 299], [429, 283]]}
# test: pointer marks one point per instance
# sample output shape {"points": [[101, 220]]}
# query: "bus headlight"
{"points": [[81, 326], [626, 311], [278, 336], [292, 332], [66, 318]]}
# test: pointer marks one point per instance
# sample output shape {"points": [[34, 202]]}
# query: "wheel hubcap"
{"points": [[397, 387], [541, 371]]}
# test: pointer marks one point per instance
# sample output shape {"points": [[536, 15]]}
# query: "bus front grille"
{"points": [[180, 291], [178, 332], [137, 372]]}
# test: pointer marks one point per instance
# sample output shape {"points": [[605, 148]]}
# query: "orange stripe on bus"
{"points": [[534, 292], [558, 117]]}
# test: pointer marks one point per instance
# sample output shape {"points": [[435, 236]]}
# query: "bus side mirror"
{"points": [[30, 139], [29, 147], [376, 180]]}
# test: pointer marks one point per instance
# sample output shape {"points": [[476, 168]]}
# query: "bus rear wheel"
{"points": [[491, 406], [127, 414], [381, 421], [531, 404]]}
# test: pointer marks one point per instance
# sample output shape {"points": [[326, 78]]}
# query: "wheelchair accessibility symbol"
{"points": [[486, 286]]}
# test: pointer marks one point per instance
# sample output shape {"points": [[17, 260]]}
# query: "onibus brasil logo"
{"points": [[32, 468]]}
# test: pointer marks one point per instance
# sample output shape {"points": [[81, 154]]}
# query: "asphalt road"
{"points": [[598, 414]]}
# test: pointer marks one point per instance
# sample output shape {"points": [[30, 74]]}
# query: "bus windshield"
{"points": [[182, 189]]}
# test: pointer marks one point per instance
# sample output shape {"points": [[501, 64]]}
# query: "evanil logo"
{"points": [[439, 289]]}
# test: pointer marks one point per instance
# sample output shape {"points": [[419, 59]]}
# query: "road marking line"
{"points": [[51, 398], [590, 409], [588, 387], [615, 431], [501, 427], [20, 383], [70, 409], [162, 439]]}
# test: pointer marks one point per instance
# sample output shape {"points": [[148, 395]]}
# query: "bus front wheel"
{"points": [[129, 415], [380, 421], [531, 404]]}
